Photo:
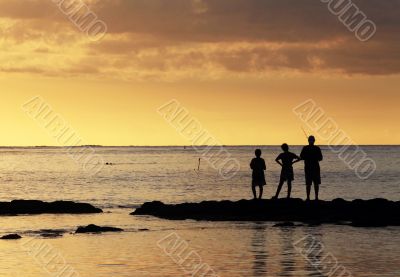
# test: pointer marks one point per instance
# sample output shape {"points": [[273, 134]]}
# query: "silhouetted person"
{"points": [[286, 160], [312, 155], [258, 166]]}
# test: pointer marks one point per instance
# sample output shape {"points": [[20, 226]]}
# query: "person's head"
{"points": [[311, 140], [285, 147], [258, 153]]}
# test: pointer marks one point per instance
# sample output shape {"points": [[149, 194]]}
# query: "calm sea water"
{"points": [[141, 174]]}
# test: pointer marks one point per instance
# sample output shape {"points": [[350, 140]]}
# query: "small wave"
{"points": [[46, 232], [112, 265], [115, 206]]}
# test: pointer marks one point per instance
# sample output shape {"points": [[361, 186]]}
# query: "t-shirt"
{"points": [[258, 166], [311, 155], [287, 159]]}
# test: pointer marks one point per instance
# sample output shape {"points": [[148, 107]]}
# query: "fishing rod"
{"points": [[305, 133]]}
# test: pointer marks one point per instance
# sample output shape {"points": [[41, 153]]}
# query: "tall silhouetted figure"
{"points": [[286, 160], [312, 155], [258, 166]]}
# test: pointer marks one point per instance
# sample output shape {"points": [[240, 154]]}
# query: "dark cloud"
{"points": [[239, 36], [250, 20]]}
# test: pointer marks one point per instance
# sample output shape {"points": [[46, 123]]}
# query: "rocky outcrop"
{"points": [[11, 237], [32, 207], [358, 213], [97, 229]]}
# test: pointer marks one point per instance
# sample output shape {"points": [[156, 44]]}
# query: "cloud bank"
{"points": [[172, 39]]}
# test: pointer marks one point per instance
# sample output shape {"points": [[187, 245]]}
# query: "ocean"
{"points": [[169, 174]]}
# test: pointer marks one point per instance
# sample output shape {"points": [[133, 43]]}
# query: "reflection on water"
{"points": [[230, 249], [285, 260], [288, 263], [313, 241], [259, 249]]}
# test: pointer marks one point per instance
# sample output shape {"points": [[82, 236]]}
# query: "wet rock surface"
{"points": [[11, 237], [357, 213], [97, 229], [32, 207]]}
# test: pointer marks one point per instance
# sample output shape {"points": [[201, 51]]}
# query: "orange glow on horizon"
{"points": [[239, 78], [236, 112]]}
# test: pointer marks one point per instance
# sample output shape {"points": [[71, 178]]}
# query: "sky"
{"points": [[238, 67]]}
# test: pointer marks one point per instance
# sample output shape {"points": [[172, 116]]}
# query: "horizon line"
{"points": [[223, 145]]}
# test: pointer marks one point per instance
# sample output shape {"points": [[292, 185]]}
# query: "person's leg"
{"points": [[278, 191], [261, 191], [308, 188], [289, 188], [316, 188], [308, 183], [254, 192]]}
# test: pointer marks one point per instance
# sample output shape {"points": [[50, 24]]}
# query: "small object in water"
{"points": [[198, 167]]}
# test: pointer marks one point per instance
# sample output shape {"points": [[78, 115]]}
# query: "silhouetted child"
{"points": [[286, 160], [258, 166]]}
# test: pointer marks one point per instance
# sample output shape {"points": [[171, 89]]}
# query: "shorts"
{"points": [[258, 183], [287, 174], [313, 176]]}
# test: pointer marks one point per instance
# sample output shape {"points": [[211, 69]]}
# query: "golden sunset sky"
{"points": [[238, 66]]}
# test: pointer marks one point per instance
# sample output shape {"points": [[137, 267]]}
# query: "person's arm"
{"points": [[252, 164], [277, 160], [296, 159], [264, 165], [302, 154], [320, 158]]}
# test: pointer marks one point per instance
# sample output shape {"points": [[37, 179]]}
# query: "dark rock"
{"points": [[32, 207], [313, 223], [51, 233], [11, 237], [359, 213], [369, 223], [96, 229]]}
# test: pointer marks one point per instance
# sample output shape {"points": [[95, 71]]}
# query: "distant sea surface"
{"points": [[140, 174]]}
